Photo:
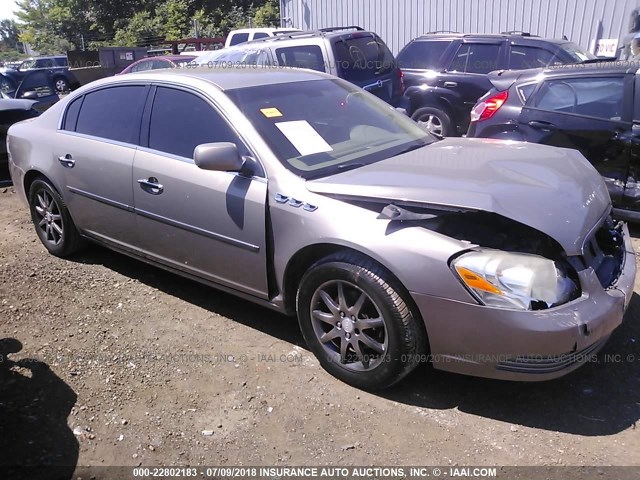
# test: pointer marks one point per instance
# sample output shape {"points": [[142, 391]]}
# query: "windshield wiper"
{"points": [[411, 148], [349, 166]]}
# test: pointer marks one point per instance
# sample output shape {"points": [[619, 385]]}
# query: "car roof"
{"points": [[589, 68], [330, 32], [509, 35], [223, 78], [263, 29]]}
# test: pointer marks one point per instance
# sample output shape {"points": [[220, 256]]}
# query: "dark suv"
{"points": [[57, 65], [352, 53], [593, 108], [445, 74]]}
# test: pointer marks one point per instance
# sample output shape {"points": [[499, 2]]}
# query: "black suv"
{"points": [[57, 65], [593, 108], [352, 53], [445, 74]]}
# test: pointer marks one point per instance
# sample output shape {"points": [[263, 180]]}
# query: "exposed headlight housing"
{"points": [[514, 280]]}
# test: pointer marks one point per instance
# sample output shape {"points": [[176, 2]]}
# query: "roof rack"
{"points": [[518, 32], [439, 31], [333, 29]]}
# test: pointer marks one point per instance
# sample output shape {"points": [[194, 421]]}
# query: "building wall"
{"points": [[398, 21]]}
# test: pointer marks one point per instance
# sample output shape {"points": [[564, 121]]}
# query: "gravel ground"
{"points": [[120, 363]]}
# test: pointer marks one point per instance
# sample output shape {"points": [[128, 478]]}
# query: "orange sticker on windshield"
{"points": [[271, 112]]}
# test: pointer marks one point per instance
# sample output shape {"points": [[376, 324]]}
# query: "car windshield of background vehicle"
{"points": [[361, 58], [422, 55], [577, 53], [321, 127]]}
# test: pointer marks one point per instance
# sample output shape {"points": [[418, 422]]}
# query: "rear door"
{"points": [[207, 223], [363, 59], [466, 74], [93, 160], [589, 114]]}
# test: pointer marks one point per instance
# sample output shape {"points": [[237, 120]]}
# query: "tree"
{"points": [[268, 15], [9, 34]]}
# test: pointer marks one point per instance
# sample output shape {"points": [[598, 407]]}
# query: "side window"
{"points": [[237, 38], [180, 121], [71, 117], [525, 91], [61, 62], [113, 113], [303, 56], [258, 35], [422, 55], [157, 64], [522, 58], [476, 58], [44, 63], [593, 97]]}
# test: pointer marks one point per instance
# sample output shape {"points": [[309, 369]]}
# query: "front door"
{"points": [[206, 223], [586, 114]]}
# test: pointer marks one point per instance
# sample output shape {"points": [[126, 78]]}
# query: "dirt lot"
{"points": [[136, 366]]}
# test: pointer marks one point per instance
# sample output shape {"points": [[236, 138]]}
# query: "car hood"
{"points": [[553, 190]]}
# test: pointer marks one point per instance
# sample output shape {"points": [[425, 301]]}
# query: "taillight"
{"points": [[487, 108], [401, 82]]}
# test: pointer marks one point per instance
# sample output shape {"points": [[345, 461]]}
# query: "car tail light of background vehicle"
{"points": [[487, 108], [401, 78]]}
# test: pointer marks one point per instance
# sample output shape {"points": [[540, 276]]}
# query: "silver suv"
{"points": [[351, 53]]}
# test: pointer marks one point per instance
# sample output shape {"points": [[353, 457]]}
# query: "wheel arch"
{"points": [[304, 258]]}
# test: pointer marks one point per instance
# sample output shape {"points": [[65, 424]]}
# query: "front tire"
{"points": [[52, 220], [62, 85], [355, 321]]}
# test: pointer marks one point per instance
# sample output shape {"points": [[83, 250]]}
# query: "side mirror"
{"points": [[30, 95], [222, 157], [635, 129]]}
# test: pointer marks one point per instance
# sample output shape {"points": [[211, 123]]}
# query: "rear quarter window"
{"points": [[113, 113], [422, 55], [363, 57]]}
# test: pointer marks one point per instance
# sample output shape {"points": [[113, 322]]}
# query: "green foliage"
{"points": [[51, 25]]}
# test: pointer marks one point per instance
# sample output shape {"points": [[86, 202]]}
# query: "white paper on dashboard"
{"points": [[304, 137]]}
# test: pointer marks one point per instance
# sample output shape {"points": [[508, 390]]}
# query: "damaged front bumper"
{"points": [[528, 345]]}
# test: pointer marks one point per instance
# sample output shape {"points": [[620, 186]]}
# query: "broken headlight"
{"points": [[514, 280]]}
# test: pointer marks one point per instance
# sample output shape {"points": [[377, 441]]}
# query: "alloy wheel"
{"points": [[431, 124], [349, 325], [49, 217]]}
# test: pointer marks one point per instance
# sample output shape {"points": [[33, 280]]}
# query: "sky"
{"points": [[7, 8]]}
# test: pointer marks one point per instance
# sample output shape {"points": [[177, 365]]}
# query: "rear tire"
{"points": [[355, 321], [52, 220], [435, 121]]}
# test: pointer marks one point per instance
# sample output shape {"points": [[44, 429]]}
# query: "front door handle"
{"points": [[67, 161], [545, 126], [151, 185], [450, 84]]}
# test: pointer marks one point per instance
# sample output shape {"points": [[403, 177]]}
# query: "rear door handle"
{"points": [[67, 161], [545, 126], [450, 84], [151, 185]]}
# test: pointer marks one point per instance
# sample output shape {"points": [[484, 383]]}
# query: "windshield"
{"points": [[577, 53], [321, 127]]}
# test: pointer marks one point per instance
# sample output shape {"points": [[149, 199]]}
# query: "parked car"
{"points": [[11, 111], [37, 86], [352, 53], [446, 73], [157, 62], [589, 108], [247, 34], [57, 65], [303, 193]]}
